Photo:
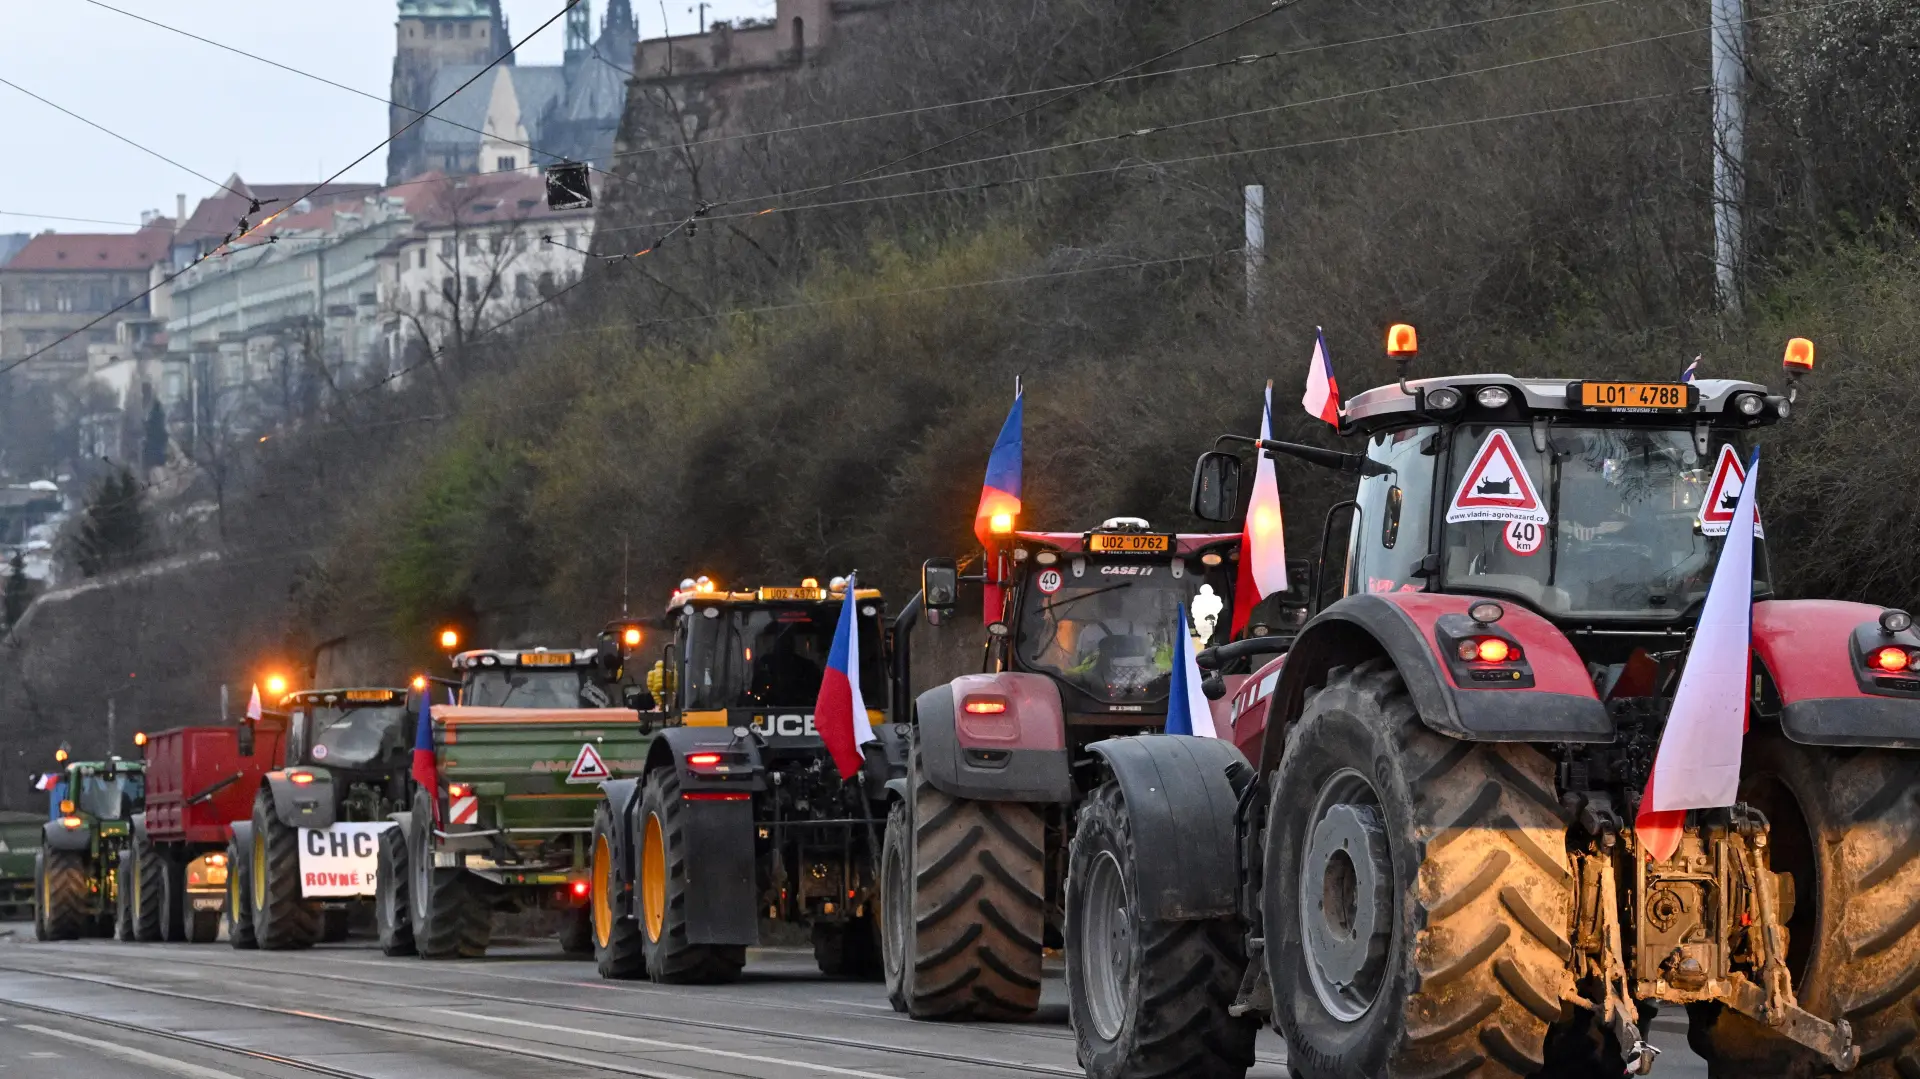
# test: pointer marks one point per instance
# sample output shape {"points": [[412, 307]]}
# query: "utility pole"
{"points": [[112, 742], [1729, 34], [1255, 250]]}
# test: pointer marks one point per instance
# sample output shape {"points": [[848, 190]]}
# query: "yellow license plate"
{"points": [[369, 695], [790, 593], [1128, 543], [1634, 396], [546, 659]]}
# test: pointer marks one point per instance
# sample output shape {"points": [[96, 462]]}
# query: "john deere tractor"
{"points": [[1427, 862], [75, 874]]}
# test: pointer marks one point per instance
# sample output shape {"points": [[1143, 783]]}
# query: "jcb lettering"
{"points": [[789, 726]]}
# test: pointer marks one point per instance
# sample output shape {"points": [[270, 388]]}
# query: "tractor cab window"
{"points": [[111, 797], [774, 657], [1390, 530], [1106, 627], [1620, 538], [517, 687], [358, 736]]}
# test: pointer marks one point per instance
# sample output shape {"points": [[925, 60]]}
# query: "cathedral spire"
{"points": [[579, 28]]}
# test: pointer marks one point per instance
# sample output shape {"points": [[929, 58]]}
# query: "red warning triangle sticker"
{"points": [[1723, 495], [1497, 487], [588, 767]]}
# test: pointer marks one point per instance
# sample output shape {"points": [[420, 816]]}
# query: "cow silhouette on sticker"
{"points": [[1723, 494], [1496, 486]]}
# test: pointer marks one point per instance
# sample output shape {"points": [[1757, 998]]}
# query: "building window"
{"points": [[423, 301], [423, 258], [447, 249], [520, 242], [473, 288], [522, 288], [506, 164], [473, 243], [62, 300], [466, 29], [449, 290], [33, 299], [546, 284]]}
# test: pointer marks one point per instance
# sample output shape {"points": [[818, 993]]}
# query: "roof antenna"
{"points": [[626, 547]]}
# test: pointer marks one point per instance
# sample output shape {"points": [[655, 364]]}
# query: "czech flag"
{"points": [[1698, 763], [1322, 398], [46, 781], [840, 715], [1692, 371], [254, 710], [1263, 540], [1188, 711], [425, 771], [1000, 492]]}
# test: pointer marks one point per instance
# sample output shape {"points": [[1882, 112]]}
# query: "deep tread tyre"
{"points": [[619, 948], [849, 949], [63, 884], [203, 926], [1846, 826], [576, 931], [671, 957], [1471, 962], [173, 898], [39, 895], [451, 918], [979, 907], [1163, 1007], [392, 914], [896, 902], [282, 917], [149, 887], [122, 898], [237, 911]]}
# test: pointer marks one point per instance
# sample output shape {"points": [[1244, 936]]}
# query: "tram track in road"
{"points": [[823, 1040], [251, 1055]]}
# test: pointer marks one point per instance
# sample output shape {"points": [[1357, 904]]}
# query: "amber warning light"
{"points": [[449, 639], [1799, 355], [1402, 340]]}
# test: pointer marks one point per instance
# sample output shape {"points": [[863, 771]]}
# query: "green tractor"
{"points": [[75, 892]]}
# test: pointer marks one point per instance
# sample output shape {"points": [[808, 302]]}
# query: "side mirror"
{"points": [[1216, 486], [939, 588], [636, 698], [245, 738]]}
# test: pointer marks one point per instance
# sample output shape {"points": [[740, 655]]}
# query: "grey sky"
{"points": [[208, 109]]}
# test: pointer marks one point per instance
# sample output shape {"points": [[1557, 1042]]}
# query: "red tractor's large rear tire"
{"points": [[1846, 827], [1417, 892], [977, 926], [1147, 999]]}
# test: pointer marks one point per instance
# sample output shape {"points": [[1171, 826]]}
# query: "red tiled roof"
{"points": [[489, 198], [95, 251], [220, 213]]}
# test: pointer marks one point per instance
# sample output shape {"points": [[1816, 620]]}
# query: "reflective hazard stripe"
{"points": [[466, 810]]}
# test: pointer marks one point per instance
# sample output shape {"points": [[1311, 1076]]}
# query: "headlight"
{"points": [[1493, 396], [1895, 621], [1443, 399], [1749, 404]]}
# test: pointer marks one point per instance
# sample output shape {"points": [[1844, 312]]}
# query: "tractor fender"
{"points": [[1813, 651], [878, 769], [722, 830], [621, 794], [1018, 755], [1554, 701], [303, 805], [896, 791], [242, 834], [137, 825], [1181, 800], [58, 837], [403, 820]]}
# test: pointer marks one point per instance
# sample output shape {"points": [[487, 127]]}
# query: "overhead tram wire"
{"points": [[1155, 130], [1232, 61], [269, 219], [148, 150]]}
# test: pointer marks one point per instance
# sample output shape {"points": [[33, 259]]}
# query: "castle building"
{"points": [[513, 116]]}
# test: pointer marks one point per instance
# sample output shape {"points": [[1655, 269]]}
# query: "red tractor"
{"points": [[1426, 863], [1080, 648]]}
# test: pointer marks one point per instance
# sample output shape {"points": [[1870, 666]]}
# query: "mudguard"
{"points": [[879, 770], [1018, 755], [1181, 800], [243, 834], [1812, 650], [721, 830], [1559, 705], [303, 805], [58, 838]]}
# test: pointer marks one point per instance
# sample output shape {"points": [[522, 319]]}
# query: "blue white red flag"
{"points": [[1000, 491], [46, 781], [1692, 372], [1263, 540], [426, 771], [1698, 763], [1188, 711], [1322, 399], [840, 715]]}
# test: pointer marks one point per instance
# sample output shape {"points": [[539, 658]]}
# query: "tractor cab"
{"points": [[1097, 611], [1601, 506], [557, 678], [755, 657], [353, 730]]}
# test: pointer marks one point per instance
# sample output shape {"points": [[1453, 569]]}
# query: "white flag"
{"points": [[253, 704]]}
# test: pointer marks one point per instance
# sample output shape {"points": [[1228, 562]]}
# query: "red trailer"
{"points": [[199, 779]]}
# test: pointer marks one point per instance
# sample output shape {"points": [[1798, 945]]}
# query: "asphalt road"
{"points": [[180, 1011]]}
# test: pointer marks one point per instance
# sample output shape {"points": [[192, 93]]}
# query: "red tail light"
{"points": [[1889, 659], [703, 758], [580, 888], [1489, 650], [985, 706], [715, 796], [456, 790]]}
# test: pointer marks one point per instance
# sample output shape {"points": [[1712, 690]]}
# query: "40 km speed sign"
{"points": [[1525, 537]]}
